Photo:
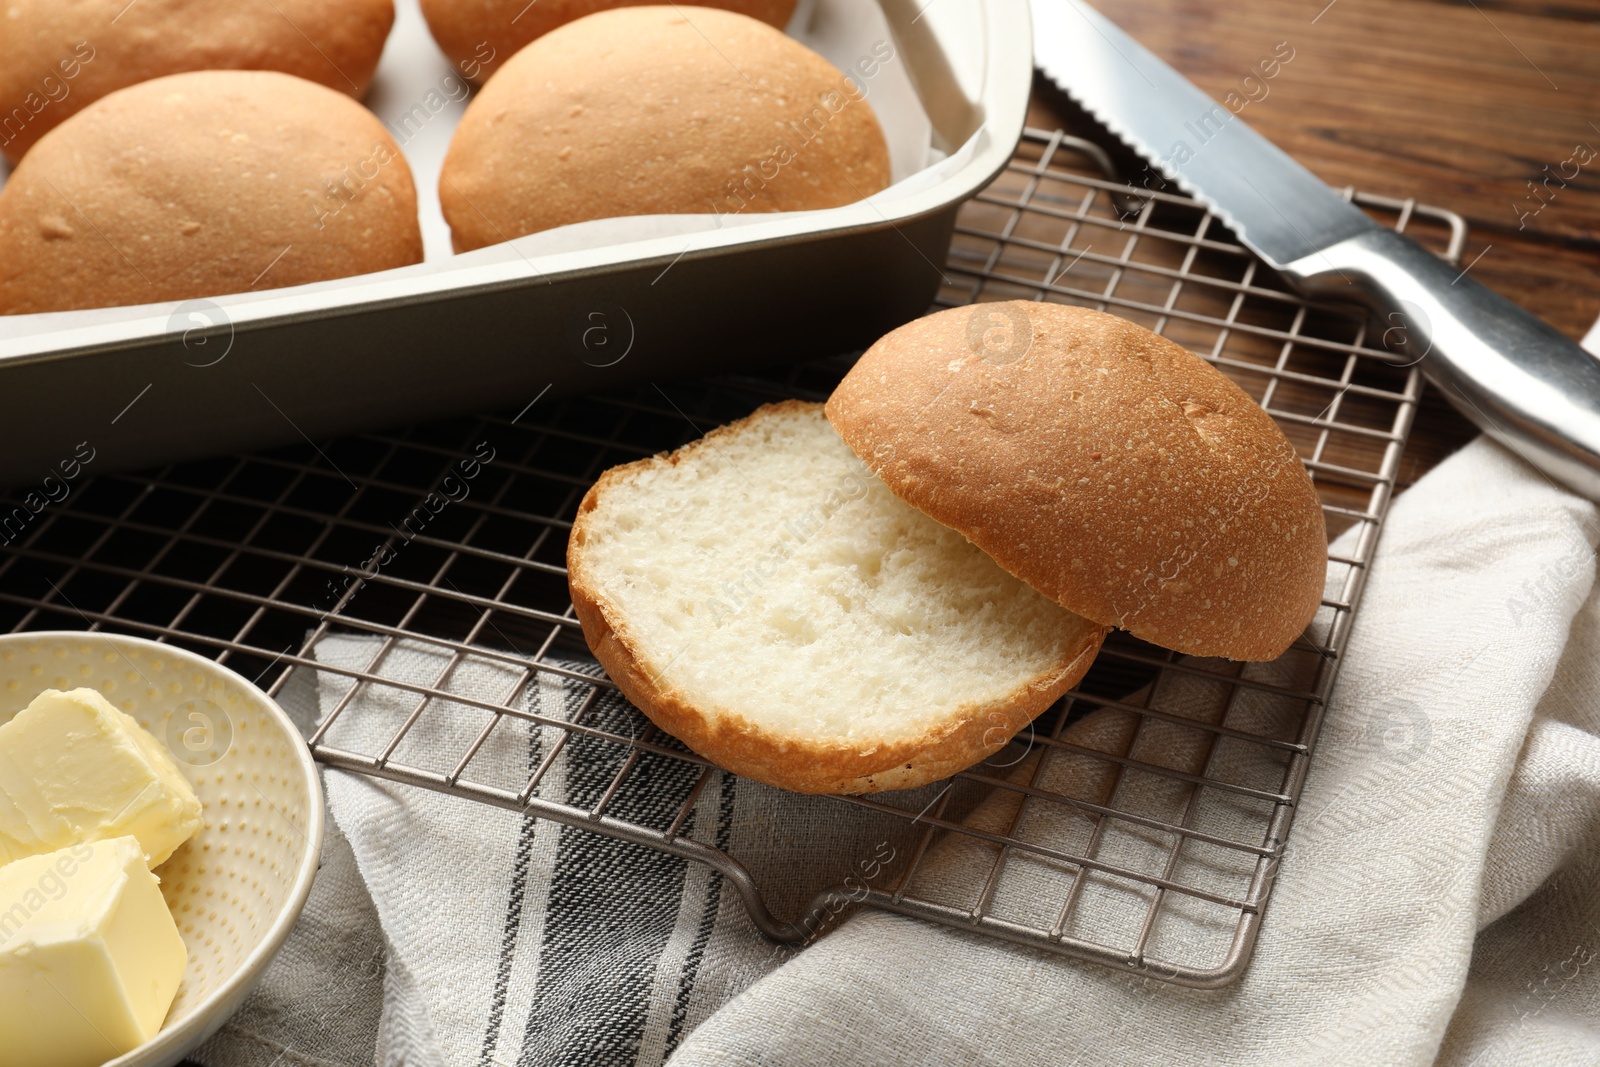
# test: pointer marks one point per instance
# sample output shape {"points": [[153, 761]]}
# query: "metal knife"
{"points": [[1522, 382]]}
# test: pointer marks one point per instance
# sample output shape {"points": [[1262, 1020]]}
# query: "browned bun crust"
{"points": [[951, 743], [480, 35], [641, 111], [57, 58], [1109, 468], [202, 184]]}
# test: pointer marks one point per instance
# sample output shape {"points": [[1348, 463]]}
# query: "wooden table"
{"points": [[1458, 103]]}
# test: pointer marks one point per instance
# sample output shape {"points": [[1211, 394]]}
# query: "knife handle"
{"points": [[1523, 383]]}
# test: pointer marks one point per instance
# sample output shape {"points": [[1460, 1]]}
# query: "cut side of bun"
{"points": [[1109, 468], [764, 598]]}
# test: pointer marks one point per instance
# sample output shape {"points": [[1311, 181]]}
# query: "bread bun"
{"points": [[57, 58], [642, 111], [1112, 470], [480, 35], [765, 599], [202, 184]]}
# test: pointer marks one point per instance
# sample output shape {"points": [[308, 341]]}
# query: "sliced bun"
{"points": [[1112, 470], [480, 35], [657, 110], [766, 600], [202, 184], [56, 58]]}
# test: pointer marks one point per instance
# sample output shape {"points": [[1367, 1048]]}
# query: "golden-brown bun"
{"points": [[642, 111], [480, 35], [56, 57], [202, 184], [1109, 468]]}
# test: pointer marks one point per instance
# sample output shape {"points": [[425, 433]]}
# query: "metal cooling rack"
{"points": [[245, 558]]}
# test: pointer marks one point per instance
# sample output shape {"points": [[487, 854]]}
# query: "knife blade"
{"points": [[1520, 380]]}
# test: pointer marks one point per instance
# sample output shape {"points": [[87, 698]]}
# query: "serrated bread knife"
{"points": [[1517, 378]]}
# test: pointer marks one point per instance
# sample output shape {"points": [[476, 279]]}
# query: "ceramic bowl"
{"points": [[236, 887]]}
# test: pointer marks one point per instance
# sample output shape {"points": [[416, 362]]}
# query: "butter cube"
{"points": [[90, 958], [74, 768]]}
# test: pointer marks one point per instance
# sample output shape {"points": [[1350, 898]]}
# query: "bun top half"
{"points": [[1111, 469]]}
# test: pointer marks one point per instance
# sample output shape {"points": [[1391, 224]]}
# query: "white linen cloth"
{"points": [[511, 940], [1438, 901]]}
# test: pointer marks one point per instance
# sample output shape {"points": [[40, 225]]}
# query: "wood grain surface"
{"points": [[1484, 107]]}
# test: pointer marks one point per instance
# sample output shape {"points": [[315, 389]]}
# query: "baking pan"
{"points": [[132, 387]]}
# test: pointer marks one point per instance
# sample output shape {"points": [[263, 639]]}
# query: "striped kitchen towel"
{"points": [[513, 941]]}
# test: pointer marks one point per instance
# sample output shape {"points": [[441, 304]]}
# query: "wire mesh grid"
{"points": [[255, 559]]}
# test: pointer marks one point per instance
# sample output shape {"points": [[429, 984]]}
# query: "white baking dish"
{"points": [[585, 308]]}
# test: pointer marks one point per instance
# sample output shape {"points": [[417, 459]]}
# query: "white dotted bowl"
{"points": [[236, 887]]}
